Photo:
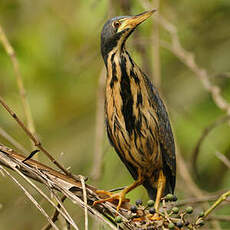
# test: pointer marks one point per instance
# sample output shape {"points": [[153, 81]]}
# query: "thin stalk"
{"points": [[11, 53]]}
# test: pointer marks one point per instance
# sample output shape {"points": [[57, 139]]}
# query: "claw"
{"points": [[103, 192], [154, 217], [113, 198], [149, 217], [120, 196]]}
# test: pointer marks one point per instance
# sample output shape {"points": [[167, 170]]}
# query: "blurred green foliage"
{"points": [[57, 44]]}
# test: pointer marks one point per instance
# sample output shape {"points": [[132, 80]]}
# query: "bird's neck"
{"points": [[122, 88], [120, 66]]}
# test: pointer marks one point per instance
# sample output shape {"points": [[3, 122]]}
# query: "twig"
{"points": [[165, 210], [9, 138], [223, 158], [188, 59], [85, 201], [35, 140], [65, 215], [222, 75], [99, 130], [60, 203], [11, 53], [116, 189], [156, 66], [220, 218], [31, 198], [205, 133], [141, 49], [69, 187], [182, 166], [110, 9], [196, 200], [222, 198], [54, 216], [184, 172], [99, 215]]}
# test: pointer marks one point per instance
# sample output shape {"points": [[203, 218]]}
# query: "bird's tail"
{"points": [[151, 190]]}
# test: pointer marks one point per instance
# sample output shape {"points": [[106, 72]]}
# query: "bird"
{"points": [[137, 122]]}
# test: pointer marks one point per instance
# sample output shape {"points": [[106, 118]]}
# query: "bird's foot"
{"points": [[154, 217], [139, 219], [148, 217], [115, 198]]}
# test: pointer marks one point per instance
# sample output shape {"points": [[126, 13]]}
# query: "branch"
{"points": [[64, 214], [76, 190], [205, 133], [71, 188], [35, 140], [30, 197], [99, 129], [223, 158], [220, 218], [11, 53], [188, 59], [197, 192], [196, 200], [54, 216], [85, 201], [11, 140], [156, 66], [222, 198]]}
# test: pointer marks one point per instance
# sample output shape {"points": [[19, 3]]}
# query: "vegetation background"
{"points": [[57, 45]]}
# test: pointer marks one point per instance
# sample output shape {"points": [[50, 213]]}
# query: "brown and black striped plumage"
{"points": [[137, 122]]}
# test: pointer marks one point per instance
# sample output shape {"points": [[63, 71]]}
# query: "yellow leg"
{"points": [[120, 196], [160, 189]]}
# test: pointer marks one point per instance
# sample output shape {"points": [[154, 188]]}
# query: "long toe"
{"points": [[103, 200], [154, 217], [104, 194], [117, 198]]}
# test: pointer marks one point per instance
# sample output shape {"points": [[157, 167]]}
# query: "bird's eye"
{"points": [[116, 24]]}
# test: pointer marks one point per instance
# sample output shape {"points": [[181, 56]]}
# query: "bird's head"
{"points": [[117, 30]]}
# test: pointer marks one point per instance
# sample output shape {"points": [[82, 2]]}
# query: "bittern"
{"points": [[138, 126]]}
